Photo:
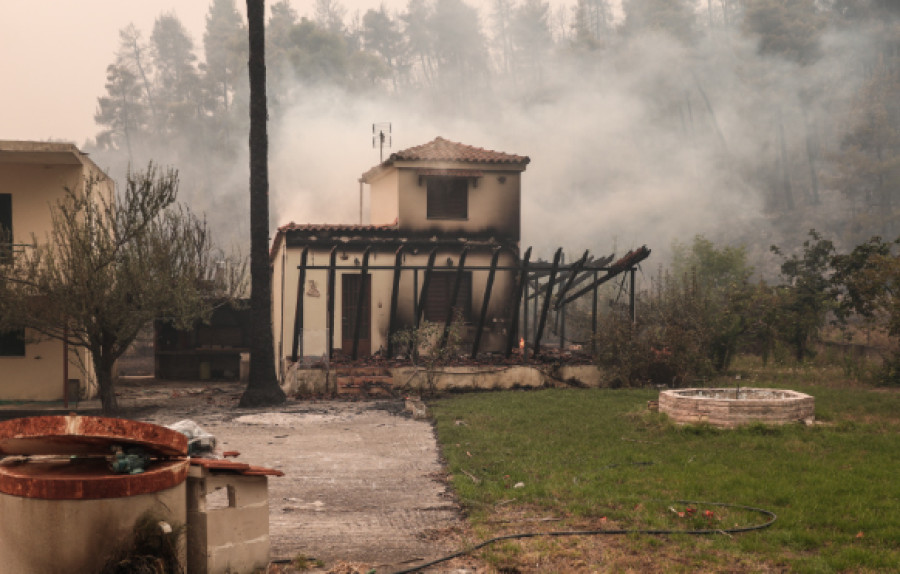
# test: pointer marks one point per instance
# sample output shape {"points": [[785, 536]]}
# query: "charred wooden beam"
{"points": [[512, 334], [426, 281], [594, 319], [573, 271], [297, 344], [395, 290], [590, 265], [628, 261], [546, 307], [524, 314], [542, 268], [631, 306], [329, 303], [415, 294], [454, 295], [363, 274], [485, 302]]}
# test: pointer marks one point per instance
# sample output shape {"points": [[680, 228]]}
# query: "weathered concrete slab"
{"points": [[363, 481]]}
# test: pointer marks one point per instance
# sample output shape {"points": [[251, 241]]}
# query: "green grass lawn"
{"points": [[598, 457]]}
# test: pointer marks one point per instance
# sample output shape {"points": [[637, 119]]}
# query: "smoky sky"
{"points": [[646, 141]]}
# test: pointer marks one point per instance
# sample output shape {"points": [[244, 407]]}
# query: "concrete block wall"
{"points": [[228, 522]]}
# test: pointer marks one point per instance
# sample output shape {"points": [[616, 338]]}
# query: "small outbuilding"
{"points": [[443, 246]]}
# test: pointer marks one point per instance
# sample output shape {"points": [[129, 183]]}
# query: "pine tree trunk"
{"points": [[262, 388]]}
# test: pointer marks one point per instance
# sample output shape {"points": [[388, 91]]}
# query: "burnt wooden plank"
{"points": [[546, 306], [360, 302], [513, 333], [423, 296], [297, 344], [627, 262], [454, 295], [329, 303], [395, 290], [574, 270], [485, 302], [581, 274], [524, 317], [631, 296], [594, 319]]}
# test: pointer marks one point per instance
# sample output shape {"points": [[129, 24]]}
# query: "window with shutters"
{"points": [[440, 289], [448, 197]]}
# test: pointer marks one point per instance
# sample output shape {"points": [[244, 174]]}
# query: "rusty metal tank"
{"points": [[63, 509]]}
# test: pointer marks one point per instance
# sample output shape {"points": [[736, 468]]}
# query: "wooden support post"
{"points": [[363, 273], [485, 302], [429, 267], [297, 344], [454, 295], [631, 297], [512, 334], [524, 317], [329, 302], [546, 306], [562, 327], [415, 291], [534, 312], [594, 320], [395, 290]]}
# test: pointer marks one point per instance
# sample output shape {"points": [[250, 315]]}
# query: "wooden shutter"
{"points": [[448, 198]]}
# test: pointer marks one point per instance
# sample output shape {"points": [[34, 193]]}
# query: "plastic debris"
{"points": [[198, 439]]}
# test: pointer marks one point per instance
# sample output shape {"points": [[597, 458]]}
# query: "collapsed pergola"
{"points": [[548, 284]]}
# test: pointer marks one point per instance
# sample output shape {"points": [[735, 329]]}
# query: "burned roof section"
{"points": [[387, 236]]}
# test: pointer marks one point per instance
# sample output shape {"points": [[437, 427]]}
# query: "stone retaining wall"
{"points": [[317, 381]]}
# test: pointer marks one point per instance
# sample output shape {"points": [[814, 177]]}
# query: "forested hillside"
{"points": [[647, 121]]}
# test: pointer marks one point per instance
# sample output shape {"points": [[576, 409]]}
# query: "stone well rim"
{"points": [[695, 393]]}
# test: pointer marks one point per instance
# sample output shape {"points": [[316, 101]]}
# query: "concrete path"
{"points": [[363, 481]]}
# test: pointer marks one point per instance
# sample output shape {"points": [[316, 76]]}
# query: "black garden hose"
{"points": [[772, 517]]}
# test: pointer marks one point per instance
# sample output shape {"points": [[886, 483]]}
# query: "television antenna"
{"points": [[380, 137]]}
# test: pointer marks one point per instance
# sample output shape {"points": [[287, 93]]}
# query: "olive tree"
{"points": [[109, 266]]}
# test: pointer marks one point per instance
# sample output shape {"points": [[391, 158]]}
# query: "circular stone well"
{"points": [[728, 408]]}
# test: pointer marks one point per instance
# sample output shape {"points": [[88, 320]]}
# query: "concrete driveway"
{"points": [[363, 481]]}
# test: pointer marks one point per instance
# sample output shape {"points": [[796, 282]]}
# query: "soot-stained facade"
{"points": [[445, 228]]}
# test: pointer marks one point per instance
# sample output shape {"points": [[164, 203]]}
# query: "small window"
{"points": [[12, 343], [440, 289], [448, 198]]}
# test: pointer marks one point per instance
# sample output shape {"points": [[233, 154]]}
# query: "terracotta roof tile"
{"points": [[440, 149]]}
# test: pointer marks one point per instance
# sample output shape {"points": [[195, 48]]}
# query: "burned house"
{"points": [[211, 350], [443, 246]]}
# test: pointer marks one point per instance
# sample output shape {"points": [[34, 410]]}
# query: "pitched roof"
{"points": [[440, 149]]}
